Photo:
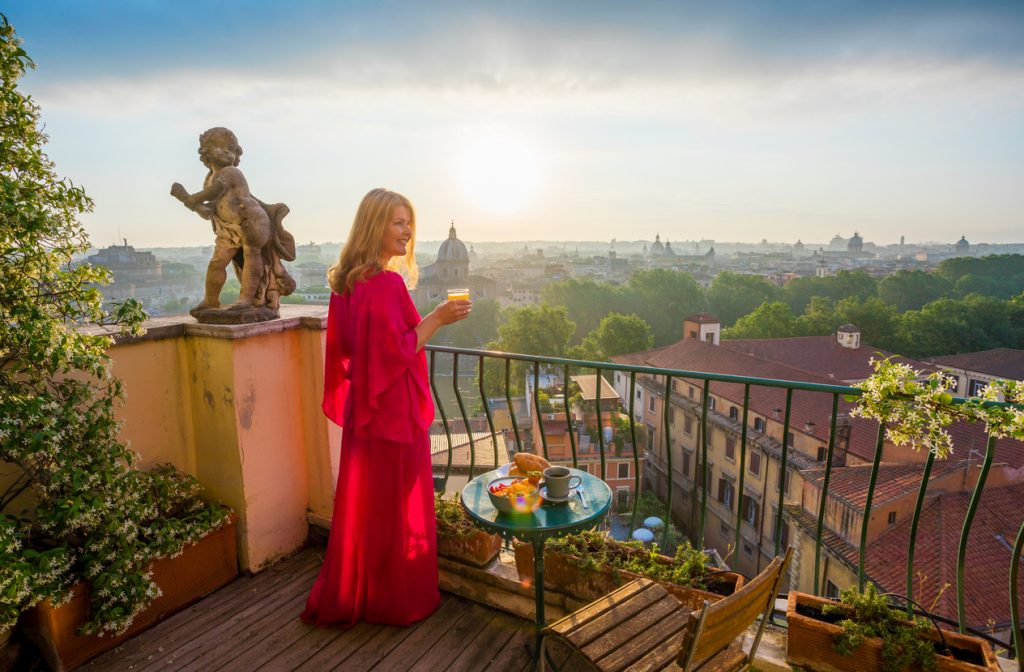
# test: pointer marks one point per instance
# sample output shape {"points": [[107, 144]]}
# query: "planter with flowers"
{"points": [[73, 509], [458, 538], [589, 565]]}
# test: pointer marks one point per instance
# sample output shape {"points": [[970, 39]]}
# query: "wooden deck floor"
{"points": [[253, 624]]}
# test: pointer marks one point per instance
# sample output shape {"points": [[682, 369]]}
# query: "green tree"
{"points": [[586, 302], [733, 295], [533, 330], [616, 335], [878, 321], [478, 329], [662, 299], [71, 507], [949, 326], [769, 320], [819, 318], [798, 292], [910, 290]]}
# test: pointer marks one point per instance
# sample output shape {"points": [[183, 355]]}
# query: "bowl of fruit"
{"points": [[511, 495]]}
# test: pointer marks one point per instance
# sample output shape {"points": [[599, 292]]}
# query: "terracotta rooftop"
{"points": [[821, 355], [702, 318], [987, 564], [588, 388], [461, 450], [894, 481], [1002, 362], [816, 407]]}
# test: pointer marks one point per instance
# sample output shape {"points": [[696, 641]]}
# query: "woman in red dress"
{"points": [[381, 562]]}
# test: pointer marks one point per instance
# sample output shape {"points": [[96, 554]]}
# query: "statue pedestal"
{"points": [[234, 315]]}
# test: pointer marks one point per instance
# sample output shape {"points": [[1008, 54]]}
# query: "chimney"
{"points": [[703, 327], [848, 336]]}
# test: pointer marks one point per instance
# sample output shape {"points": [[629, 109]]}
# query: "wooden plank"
{"points": [[617, 615], [665, 632], [447, 649], [487, 645], [366, 656], [295, 588], [220, 653], [184, 626], [326, 656], [629, 630], [424, 634], [302, 649], [516, 652], [600, 605]]}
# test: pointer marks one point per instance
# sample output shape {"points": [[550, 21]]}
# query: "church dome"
{"points": [[669, 252], [962, 245], [657, 249], [855, 244], [452, 249]]}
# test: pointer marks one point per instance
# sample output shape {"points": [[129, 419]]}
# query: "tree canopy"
{"points": [[616, 335], [733, 295]]}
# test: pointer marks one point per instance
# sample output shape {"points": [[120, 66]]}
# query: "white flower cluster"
{"points": [[916, 408]]}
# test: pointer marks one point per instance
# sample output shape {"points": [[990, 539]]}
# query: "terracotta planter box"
{"points": [[477, 548], [809, 644], [199, 570], [562, 573]]}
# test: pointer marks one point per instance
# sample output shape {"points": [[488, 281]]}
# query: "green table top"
{"points": [[549, 520]]}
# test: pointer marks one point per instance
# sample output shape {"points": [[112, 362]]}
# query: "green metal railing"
{"points": [[779, 450]]}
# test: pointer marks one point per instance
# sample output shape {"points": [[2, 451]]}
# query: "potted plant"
{"points": [[458, 538], [73, 509], [862, 632], [588, 565]]}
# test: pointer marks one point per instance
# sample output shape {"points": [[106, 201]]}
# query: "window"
{"points": [[734, 413], [650, 403], [711, 402], [675, 385], [748, 551], [623, 468], [831, 590], [671, 417], [892, 517], [784, 539], [650, 439], [692, 392], [789, 439], [725, 491], [686, 462], [688, 424], [730, 449], [755, 463], [822, 454], [724, 527], [583, 466], [638, 395], [708, 479], [751, 510], [758, 424], [785, 479], [622, 497], [974, 387]]}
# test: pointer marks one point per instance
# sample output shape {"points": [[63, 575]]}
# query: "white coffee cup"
{"points": [[559, 481]]}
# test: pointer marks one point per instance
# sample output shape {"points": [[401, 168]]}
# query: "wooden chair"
{"points": [[641, 627]]}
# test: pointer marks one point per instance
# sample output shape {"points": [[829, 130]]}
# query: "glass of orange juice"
{"points": [[461, 294]]}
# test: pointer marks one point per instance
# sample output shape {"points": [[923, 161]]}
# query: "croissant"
{"points": [[527, 462]]}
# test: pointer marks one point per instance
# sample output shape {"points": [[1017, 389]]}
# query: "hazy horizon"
{"points": [[575, 121]]}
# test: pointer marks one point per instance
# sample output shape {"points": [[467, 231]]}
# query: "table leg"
{"points": [[538, 593]]}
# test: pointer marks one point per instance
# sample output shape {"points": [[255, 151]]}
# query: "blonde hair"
{"points": [[360, 257]]}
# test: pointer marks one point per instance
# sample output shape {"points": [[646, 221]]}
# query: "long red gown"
{"points": [[381, 561]]}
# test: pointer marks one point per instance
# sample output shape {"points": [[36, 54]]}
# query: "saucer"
{"points": [[558, 500]]}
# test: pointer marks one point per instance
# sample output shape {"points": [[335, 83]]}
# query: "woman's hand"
{"points": [[453, 311], [445, 313]]}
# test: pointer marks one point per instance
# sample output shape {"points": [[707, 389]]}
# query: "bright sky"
{"points": [[546, 120]]}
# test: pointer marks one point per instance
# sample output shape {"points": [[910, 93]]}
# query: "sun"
{"points": [[500, 170]]}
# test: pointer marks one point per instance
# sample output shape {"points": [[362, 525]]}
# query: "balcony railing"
{"points": [[659, 383]]}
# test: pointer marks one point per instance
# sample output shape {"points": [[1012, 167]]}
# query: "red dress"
{"points": [[381, 562]]}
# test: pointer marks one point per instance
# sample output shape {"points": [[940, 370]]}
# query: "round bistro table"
{"points": [[548, 521]]}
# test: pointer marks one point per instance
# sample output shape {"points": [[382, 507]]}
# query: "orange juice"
{"points": [[458, 294]]}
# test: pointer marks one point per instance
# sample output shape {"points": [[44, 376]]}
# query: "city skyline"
{"points": [[576, 122]]}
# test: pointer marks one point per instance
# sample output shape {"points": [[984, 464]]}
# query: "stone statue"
{"points": [[249, 235]]}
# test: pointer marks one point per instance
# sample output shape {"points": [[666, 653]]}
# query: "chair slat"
{"points": [[599, 606], [664, 633], [627, 630], [623, 612]]}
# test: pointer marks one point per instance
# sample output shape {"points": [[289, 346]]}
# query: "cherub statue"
{"points": [[249, 234]]}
